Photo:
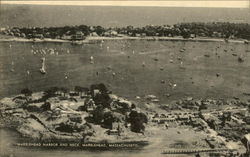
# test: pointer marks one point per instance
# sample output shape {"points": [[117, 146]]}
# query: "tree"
{"points": [[133, 106], [78, 89], [99, 30], [102, 98], [185, 33], [98, 115], [103, 89], [109, 118], [85, 29], [137, 120], [26, 92], [51, 91], [84, 90], [46, 106], [64, 90]]}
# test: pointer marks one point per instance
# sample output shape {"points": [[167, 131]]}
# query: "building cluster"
{"points": [[186, 30], [172, 117], [68, 110], [232, 124]]}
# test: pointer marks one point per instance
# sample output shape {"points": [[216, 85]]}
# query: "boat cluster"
{"points": [[48, 51]]}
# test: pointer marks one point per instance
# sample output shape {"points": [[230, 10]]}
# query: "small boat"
{"points": [[156, 59], [240, 59], [65, 75], [43, 51], [12, 69], [143, 64], [42, 70], [92, 60], [51, 51], [182, 50]]}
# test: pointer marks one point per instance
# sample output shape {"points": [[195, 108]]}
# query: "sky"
{"points": [[147, 3], [120, 13]]}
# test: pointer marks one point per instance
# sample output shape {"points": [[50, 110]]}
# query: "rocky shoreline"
{"points": [[96, 118], [52, 119]]}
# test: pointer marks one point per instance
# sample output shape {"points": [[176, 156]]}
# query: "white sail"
{"points": [[42, 70]]}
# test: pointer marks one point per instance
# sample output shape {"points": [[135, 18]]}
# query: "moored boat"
{"points": [[42, 69]]}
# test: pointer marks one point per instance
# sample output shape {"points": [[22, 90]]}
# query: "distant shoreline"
{"points": [[94, 39]]}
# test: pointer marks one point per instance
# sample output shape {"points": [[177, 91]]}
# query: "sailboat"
{"points": [[91, 60], [42, 70]]}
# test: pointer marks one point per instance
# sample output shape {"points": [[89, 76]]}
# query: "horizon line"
{"points": [[190, 4]]}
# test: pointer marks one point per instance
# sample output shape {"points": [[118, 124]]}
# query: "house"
{"points": [[20, 100], [116, 129], [113, 132], [202, 34], [113, 33], [183, 117], [110, 33], [73, 94], [116, 126], [215, 124], [137, 35], [130, 33], [84, 91], [2, 29], [75, 118], [96, 92], [192, 36], [94, 34], [58, 37], [47, 35], [38, 36], [217, 34], [66, 37], [163, 118], [246, 141], [78, 36], [143, 35], [23, 35], [90, 105], [17, 34], [11, 33]]}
